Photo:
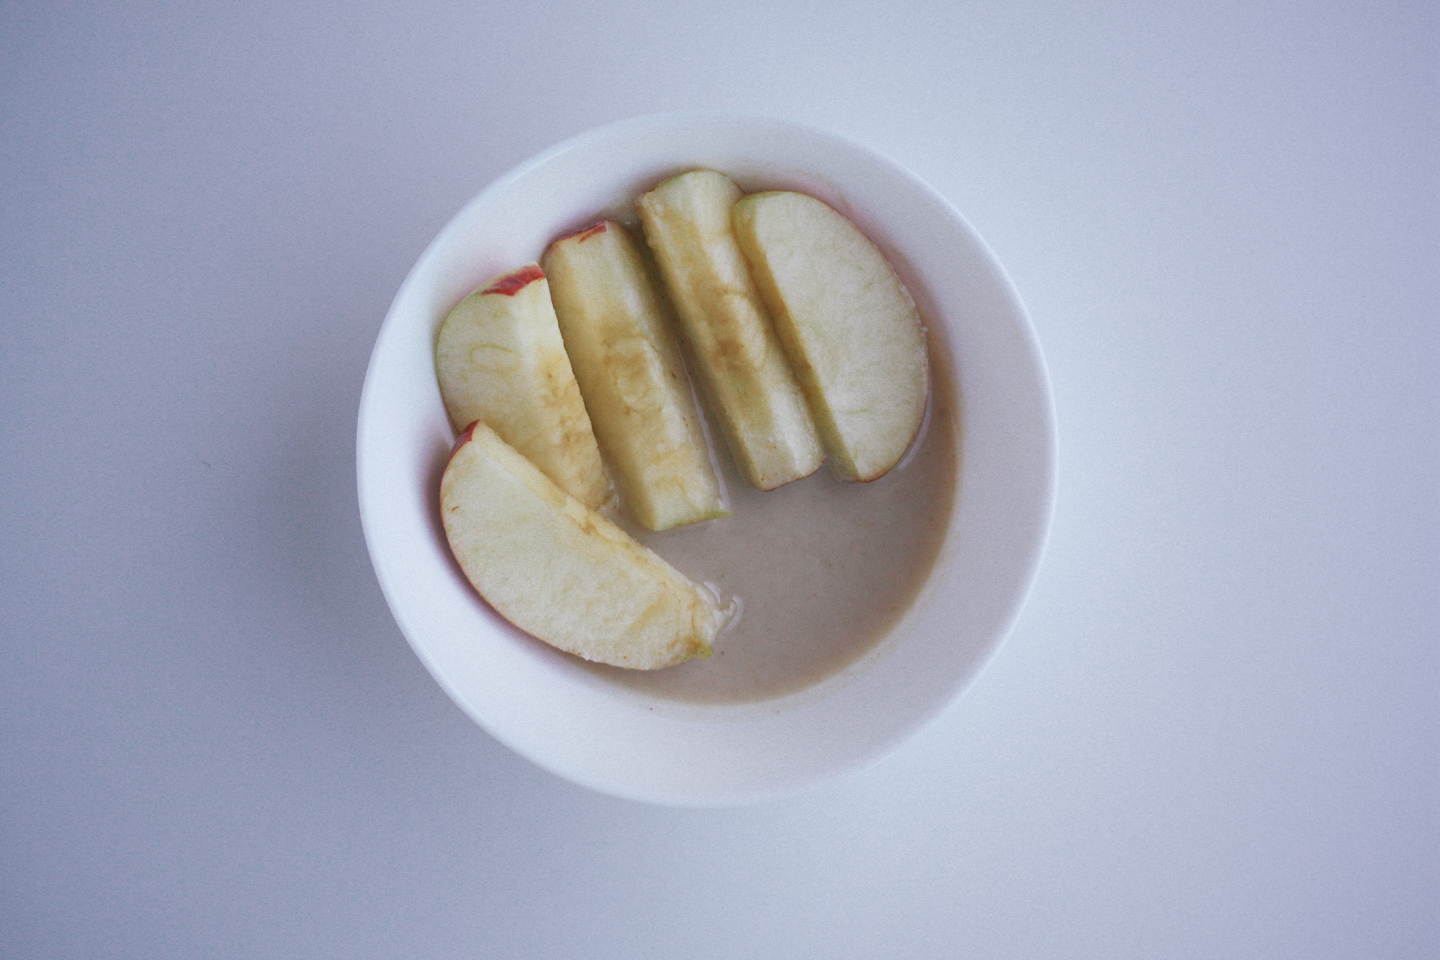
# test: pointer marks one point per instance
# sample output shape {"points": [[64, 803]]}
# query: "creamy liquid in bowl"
{"points": [[823, 567]]}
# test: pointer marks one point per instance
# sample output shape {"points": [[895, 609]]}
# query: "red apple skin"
{"points": [[463, 438], [580, 236], [515, 281]]}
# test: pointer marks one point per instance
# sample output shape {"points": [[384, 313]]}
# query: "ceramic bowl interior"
{"points": [[547, 706]]}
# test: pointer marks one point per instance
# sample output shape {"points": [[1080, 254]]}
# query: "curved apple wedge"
{"points": [[618, 334], [563, 573], [500, 358], [849, 326]]}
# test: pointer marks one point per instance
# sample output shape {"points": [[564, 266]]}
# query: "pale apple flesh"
{"points": [[740, 361], [500, 358], [562, 572], [849, 326], [618, 334]]}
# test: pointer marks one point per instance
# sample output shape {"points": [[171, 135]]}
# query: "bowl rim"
{"points": [[740, 784]]}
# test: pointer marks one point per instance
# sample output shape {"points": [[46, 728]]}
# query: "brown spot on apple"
{"points": [[516, 280]]}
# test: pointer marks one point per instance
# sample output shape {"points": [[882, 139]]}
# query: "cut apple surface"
{"points": [[849, 326], [563, 573], [619, 337], [740, 361], [500, 358]]}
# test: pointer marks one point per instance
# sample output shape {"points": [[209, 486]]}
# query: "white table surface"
{"points": [[1213, 732]]}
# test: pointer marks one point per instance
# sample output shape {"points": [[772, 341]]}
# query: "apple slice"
{"points": [[500, 358], [560, 571], [619, 338], [849, 326], [741, 363]]}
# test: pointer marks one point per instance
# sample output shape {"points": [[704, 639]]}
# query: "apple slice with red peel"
{"points": [[849, 326], [563, 573], [500, 358], [740, 361], [619, 336]]}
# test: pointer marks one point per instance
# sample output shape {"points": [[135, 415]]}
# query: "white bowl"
{"points": [[572, 721]]}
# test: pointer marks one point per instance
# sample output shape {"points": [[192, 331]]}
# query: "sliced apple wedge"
{"points": [[619, 337], [500, 358], [741, 363], [849, 326], [560, 571]]}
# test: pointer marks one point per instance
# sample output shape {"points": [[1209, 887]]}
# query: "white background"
{"points": [[1213, 733]]}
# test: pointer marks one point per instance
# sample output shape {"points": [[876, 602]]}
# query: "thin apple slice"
{"points": [[500, 359], [849, 326], [619, 337], [741, 363], [560, 571]]}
